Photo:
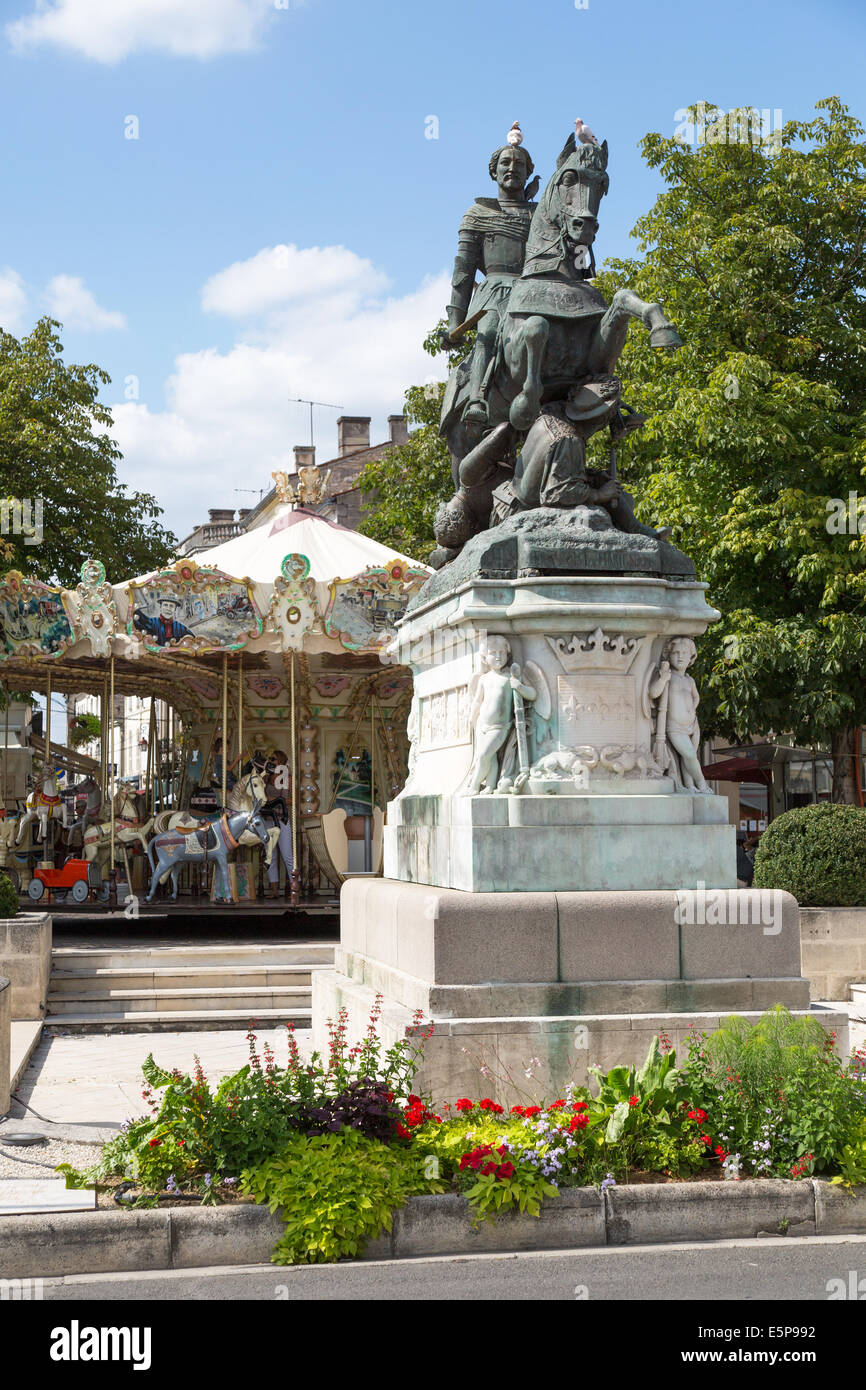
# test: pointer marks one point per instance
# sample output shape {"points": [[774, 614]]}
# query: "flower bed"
{"points": [[338, 1145]]}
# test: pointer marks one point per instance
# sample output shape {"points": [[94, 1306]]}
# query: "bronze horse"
{"points": [[558, 338]]}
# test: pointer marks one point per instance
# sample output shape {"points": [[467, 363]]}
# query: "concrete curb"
{"points": [[106, 1242]]}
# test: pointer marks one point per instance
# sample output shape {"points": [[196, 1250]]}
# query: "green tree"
{"points": [[404, 486], [756, 250], [54, 447]]}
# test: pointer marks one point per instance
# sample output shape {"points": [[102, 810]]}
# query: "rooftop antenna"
{"points": [[326, 405]]}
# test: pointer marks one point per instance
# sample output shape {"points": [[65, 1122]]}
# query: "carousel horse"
{"points": [[42, 805], [90, 789], [127, 826], [245, 794], [169, 852]]}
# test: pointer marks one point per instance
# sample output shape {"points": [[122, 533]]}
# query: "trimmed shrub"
{"points": [[8, 897], [818, 853]]}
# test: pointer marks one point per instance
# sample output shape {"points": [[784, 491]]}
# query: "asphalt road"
{"points": [[777, 1269]]}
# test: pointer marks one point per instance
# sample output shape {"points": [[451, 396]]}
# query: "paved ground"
{"points": [[95, 1078], [779, 1269]]}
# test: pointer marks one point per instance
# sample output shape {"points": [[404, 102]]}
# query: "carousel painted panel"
{"points": [[193, 609], [363, 611], [294, 609], [34, 618]]}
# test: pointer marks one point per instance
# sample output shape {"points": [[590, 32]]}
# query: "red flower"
{"points": [[517, 1110], [720, 1153], [557, 1105], [488, 1104], [503, 1149], [699, 1115], [415, 1100], [580, 1105], [578, 1122], [154, 1143], [505, 1170], [705, 1139], [181, 1143], [389, 1096], [532, 1110], [463, 1104], [403, 1132], [633, 1101], [488, 1169]]}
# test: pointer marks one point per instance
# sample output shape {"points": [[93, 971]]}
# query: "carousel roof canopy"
{"points": [[298, 584], [333, 550]]}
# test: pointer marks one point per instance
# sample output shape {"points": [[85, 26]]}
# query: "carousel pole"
{"points": [[5, 748], [112, 872], [240, 706], [225, 721], [296, 876], [49, 832]]}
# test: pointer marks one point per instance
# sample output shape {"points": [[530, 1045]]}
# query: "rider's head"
{"points": [[511, 168]]}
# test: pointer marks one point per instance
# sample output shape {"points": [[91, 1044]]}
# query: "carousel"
{"points": [[277, 723]]}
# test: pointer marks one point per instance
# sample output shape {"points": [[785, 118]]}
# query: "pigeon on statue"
{"points": [[515, 134], [584, 134]]}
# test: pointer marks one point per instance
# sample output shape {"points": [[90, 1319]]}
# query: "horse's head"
{"points": [[255, 824], [567, 215]]}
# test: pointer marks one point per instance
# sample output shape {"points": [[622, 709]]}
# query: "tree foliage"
{"points": [[54, 446], [756, 251], [404, 486]]}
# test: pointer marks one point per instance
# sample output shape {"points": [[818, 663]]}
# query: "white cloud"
{"points": [[109, 30], [13, 301], [228, 421], [285, 274], [69, 300]]}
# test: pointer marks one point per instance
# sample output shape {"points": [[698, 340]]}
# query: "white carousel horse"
{"points": [[43, 804], [244, 795]]}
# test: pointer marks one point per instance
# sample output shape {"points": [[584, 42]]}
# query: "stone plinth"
{"points": [[5, 1043], [572, 979], [834, 949], [25, 958], [625, 839]]}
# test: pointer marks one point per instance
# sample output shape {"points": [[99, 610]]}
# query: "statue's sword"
{"points": [[520, 725]]}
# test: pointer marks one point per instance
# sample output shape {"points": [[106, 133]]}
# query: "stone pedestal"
{"points": [[559, 902], [628, 839], [569, 979]]}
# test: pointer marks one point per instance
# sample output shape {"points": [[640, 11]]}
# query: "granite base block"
{"points": [[555, 1050]]}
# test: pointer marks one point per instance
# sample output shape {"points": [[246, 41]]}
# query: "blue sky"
{"points": [[282, 226]]}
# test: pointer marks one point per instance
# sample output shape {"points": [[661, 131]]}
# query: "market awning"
{"points": [[737, 770]]}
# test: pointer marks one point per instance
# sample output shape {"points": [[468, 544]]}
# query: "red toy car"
{"points": [[77, 876]]}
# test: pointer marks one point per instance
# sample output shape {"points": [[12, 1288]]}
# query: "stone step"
{"points": [[64, 982], [191, 1020], [110, 1001], [141, 957]]}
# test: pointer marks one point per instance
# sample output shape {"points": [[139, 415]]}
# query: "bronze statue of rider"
{"points": [[491, 242]]}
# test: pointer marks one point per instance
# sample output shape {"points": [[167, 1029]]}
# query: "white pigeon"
{"points": [[584, 134], [515, 134]]}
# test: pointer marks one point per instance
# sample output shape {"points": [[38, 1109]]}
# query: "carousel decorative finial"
{"points": [[285, 491], [312, 485]]}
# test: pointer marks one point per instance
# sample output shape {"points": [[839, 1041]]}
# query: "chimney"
{"points": [[353, 433], [305, 456], [220, 514], [398, 429], [243, 513]]}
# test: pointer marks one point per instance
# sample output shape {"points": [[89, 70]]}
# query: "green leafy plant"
{"points": [[8, 897], [817, 853], [334, 1192], [851, 1159]]}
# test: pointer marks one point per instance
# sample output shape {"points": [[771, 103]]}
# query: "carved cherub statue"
{"points": [[678, 734], [492, 714]]}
